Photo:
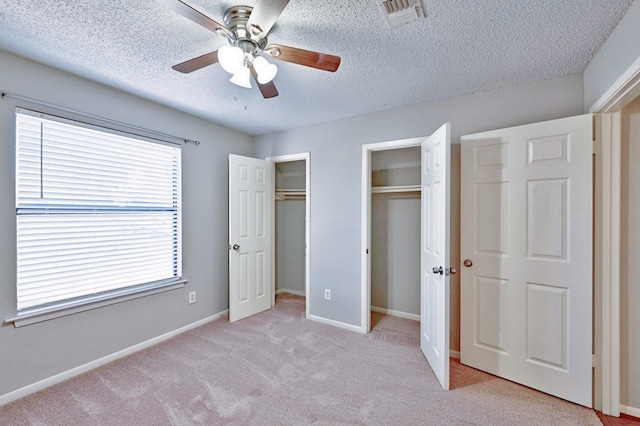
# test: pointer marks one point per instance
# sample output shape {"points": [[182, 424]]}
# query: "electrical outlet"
{"points": [[327, 294], [192, 297]]}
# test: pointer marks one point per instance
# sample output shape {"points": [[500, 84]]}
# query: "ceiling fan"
{"points": [[246, 29]]}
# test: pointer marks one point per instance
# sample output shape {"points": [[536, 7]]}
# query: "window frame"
{"points": [[85, 302]]}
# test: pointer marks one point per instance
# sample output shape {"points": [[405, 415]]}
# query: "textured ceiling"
{"points": [[461, 47]]}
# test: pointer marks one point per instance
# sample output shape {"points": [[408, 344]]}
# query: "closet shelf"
{"points": [[290, 194], [395, 188]]}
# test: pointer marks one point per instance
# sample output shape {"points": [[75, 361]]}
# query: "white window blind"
{"points": [[98, 213]]}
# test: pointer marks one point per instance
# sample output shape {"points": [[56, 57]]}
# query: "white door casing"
{"points": [[250, 239], [434, 258], [526, 226]]}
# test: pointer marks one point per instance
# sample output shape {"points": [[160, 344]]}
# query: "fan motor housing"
{"points": [[235, 19]]}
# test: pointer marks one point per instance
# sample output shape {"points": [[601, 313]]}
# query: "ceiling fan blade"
{"points": [[264, 15], [197, 17], [268, 90], [321, 61], [196, 63]]}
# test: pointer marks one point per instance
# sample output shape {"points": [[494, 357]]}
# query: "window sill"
{"points": [[46, 314]]}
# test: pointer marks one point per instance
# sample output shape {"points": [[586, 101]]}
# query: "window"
{"points": [[97, 211]]}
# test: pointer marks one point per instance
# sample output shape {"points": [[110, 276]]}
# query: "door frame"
{"points": [[307, 223], [365, 268], [607, 212]]}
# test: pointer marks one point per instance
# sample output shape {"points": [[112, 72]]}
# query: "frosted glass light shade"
{"points": [[266, 71], [231, 58], [242, 78]]}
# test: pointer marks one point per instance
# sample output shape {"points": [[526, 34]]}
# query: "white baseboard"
{"points": [[630, 411], [286, 290], [398, 314], [339, 324], [454, 354], [65, 375]]}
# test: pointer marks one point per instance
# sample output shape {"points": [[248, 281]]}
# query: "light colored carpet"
{"points": [[277, 368]]}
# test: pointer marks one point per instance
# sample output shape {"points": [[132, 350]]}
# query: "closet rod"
{"points": [[289, 197], [395, 188], [5, 94], [292, 191], [290, 194]]}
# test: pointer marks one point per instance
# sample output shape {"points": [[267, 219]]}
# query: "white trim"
{"points": [[624, 90], [46, 315], [289, 291], [454, 354], [399, 143], [630, 411], [334, 323], [65, 375], [365, 235], [365, 220], [393, 313], [306, 156], [607, 331]]}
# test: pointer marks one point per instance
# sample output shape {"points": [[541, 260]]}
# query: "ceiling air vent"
{"points": [[398, 12]]}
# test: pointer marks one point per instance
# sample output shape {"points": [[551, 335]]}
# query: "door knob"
{"points": [[468, 263], [438, 270], [236, 247]]}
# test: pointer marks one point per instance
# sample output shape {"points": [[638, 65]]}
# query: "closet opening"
{"points": [[395, 234], [291, 227], [391, 234]]}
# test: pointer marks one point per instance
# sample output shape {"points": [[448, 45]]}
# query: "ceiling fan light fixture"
{"points": [[231, 58], [246, 29], [266, 71], [242, 78]]}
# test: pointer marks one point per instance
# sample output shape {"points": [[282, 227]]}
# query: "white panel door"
{"points": [[526, 241], [434, 258], [250, 217]]}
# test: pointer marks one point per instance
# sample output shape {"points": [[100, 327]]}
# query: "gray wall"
{"points": [[336, 147], [38, 351], [618, 53], [395, 252], [630, 258], [290, 215]]}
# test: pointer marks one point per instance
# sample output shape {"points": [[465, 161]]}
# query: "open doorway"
{"points": [[291, 226], [395, 245], [391, 231], [395, 242], [608, 213], [435, 269]]}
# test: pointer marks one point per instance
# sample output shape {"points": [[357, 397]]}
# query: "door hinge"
{"points": [[594, 361]]}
